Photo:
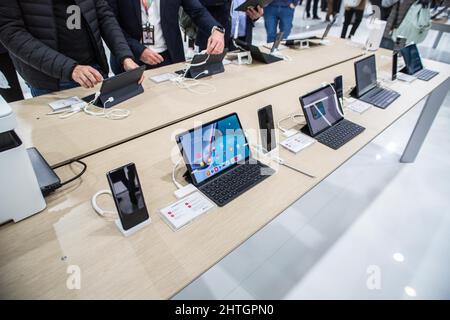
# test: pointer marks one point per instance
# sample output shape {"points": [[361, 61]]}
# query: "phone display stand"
{"points": [[133, 230], [109, 214]]}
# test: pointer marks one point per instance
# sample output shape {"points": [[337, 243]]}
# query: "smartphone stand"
{"points": [[133, 230]]}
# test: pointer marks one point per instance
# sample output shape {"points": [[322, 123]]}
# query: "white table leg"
{"points": [[423, 124]]}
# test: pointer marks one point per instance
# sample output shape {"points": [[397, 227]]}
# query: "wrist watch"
{"points": [[220, 29]]}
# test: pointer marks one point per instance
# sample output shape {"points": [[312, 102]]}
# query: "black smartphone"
{"points": [[400, 43], [338, 85], [128, 196], [267, 128], [394, 65]]}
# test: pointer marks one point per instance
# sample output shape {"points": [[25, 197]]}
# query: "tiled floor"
{"points": [[374, 229]]}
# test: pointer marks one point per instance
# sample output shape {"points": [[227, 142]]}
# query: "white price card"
{"points": [[297, 142], [64, 103], [163, 77], [185, 210]]}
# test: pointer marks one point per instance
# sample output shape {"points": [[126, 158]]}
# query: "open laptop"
{"points": [[121, 87], [256, 53], [218, 159], [367, 88], [413, 64], [296, 41], [324, 118]]}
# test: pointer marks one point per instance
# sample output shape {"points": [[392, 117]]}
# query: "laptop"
{"points": [[324, 118], [47, 179], [413, 64], [121, 87], [294, 42], [218, 159], [256, 53], [367, 88], [205, 65]]}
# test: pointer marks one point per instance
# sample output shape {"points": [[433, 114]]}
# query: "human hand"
{"points": [[216, 43], [151, 57], [86, 76], [255, 13], [129, 64]]}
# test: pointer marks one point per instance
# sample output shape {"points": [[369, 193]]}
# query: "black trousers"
{"points": [[315, 6], [348, 20], [14, 93]]}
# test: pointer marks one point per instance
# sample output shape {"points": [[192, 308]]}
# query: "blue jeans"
{"points": [[63, 85], [274, 15]]}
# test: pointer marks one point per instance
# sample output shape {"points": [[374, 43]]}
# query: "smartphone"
{"points": [[394, 65], [400, 43], [128, 197], [338, 85], [267, 128], [277, 42]]}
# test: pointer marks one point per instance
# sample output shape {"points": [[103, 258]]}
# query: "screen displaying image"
{"points": [[366, 75], [214, 147], [412, 59], [321, 108]]}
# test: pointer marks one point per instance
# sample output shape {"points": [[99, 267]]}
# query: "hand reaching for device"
{"points": [[86, 76], [255, 13], [151, 57], [129, 64], [216, 43]]}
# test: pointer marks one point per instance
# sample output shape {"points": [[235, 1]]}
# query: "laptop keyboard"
{"points": [[380, 97], [339, 134], [230, 185], [426, 74]]}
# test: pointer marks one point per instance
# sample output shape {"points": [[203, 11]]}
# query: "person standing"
{"points": [[9, 83], [279, 13], [159, 19], [357, 12], [314, 9], [57, 45]]}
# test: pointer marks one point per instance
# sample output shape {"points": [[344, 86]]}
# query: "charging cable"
{"points": [[113, 114], [107, 214], [282, 56], [184, 82], [290, 117]]}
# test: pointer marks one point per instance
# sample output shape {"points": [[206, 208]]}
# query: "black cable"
{"points": [[77, 176]]}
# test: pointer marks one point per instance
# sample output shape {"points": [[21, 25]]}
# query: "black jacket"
{"points": [[28, 31], [220, 10], [128, 13]]}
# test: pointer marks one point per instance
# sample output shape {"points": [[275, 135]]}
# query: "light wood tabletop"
{"points": [[156, 262], [60, 140]]}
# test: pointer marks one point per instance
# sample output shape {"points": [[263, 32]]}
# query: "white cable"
{"points": [[181, 82], [177, 184], [282, 56], [292, 118], [113, 114], [108, 215]]}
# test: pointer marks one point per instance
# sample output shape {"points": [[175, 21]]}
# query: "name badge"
{"points": [[148, 35]]}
